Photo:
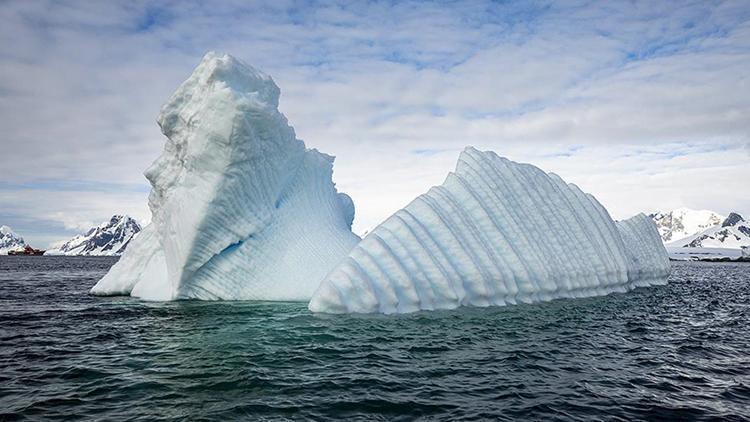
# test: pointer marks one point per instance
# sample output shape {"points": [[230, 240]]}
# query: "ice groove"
{"points": [[496, 232], [241, 209]]}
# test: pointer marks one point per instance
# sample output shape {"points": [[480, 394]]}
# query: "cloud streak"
{"points": [[645, 105]]}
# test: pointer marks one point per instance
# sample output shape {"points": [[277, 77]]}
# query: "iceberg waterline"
{"points": [[242, 210]]}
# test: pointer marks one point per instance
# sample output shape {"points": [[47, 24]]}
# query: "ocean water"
{"points": [[675, 352]]}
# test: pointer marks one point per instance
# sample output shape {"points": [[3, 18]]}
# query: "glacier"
{"points": [[495, 232], [240, 208]]}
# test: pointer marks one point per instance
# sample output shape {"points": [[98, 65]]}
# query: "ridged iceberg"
{"points": [[495, 232], [240, 208]]}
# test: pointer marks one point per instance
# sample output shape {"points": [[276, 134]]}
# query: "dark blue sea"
{"points": [[676, 352]]}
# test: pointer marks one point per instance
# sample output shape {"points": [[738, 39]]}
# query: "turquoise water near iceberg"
{"points": [[680, 351]]}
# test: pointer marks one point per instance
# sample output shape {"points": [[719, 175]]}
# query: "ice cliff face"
{"points": [[494, 233], [9, 241], [684, 222], [240, 208]]}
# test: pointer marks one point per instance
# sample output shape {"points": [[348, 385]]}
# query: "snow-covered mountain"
{"points": [[107, 239], [10, 241], [732, 233], [684, 222]]}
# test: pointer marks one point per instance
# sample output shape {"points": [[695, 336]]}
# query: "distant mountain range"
{"points": [[107, 239], [10, 241], [686, 228], [733, 232], [683, 222]]}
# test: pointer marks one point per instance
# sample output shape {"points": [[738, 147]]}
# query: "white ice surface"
{"points": [[240, 208], [495, 232]]}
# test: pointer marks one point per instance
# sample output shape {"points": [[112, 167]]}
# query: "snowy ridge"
{"points": [[684, 222], [9, 241], [108, 239], [732, 233], [240, 208], [494, 233]]}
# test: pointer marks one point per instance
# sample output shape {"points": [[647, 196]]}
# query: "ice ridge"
{"points": [[495, 232]]}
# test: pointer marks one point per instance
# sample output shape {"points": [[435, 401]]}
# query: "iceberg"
{"points": [[241, 209], [495, 232]]}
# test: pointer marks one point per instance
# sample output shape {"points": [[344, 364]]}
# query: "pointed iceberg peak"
{"points": [[219, 84], [467, 159], [227, 72], [467, 149], [468, 152]]}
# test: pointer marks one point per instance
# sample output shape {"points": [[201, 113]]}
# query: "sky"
{"points": [[646, 105]]}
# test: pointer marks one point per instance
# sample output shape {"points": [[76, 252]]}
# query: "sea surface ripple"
{"points": [[675, 352]]}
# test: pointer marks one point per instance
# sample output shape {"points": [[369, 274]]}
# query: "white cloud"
{"points": [[375, 83]]}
